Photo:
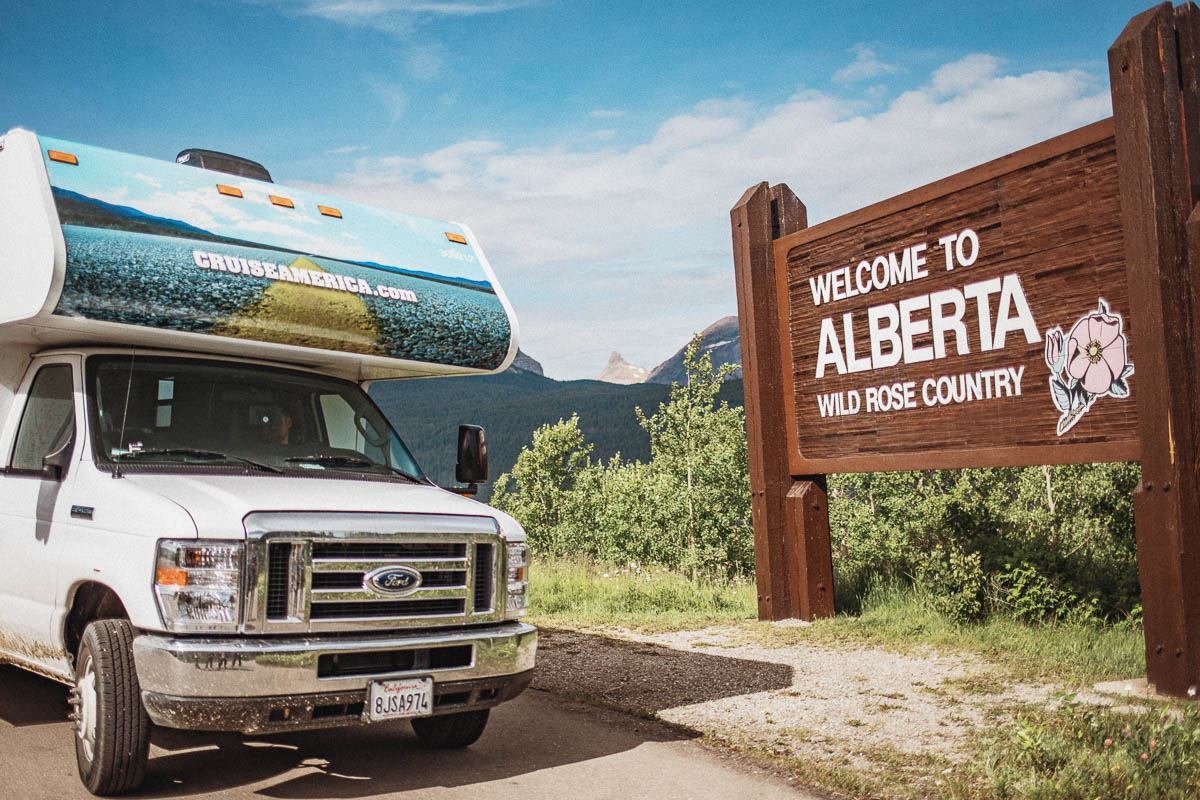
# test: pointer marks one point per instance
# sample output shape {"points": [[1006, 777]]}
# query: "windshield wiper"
{"points": [[195, 453], [349, 461]]}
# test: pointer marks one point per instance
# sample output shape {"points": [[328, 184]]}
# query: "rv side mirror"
{"points": [[472, 464], [54, 465]]}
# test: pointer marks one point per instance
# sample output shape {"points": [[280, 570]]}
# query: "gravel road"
{"points": [[883, 715]]}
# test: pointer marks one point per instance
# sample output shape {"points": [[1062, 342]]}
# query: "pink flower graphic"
{"points": [[1096, 352], [1087, 364]]}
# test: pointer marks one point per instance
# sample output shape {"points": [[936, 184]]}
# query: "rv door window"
{"points": [[48, 423]]}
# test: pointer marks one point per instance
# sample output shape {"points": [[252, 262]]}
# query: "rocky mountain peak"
{"points": [[618, 370], [724, 341], [524, 362]]}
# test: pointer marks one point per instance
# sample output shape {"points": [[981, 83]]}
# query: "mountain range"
{"points": [[513, 404], [722, 338]]}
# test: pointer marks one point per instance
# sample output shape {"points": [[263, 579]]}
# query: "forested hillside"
{"points": [[511, 406]]}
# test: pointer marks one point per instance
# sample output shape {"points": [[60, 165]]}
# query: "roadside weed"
{"points": [[1081, 750]]}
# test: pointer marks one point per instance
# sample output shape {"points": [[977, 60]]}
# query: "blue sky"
{"points": [[595, 148]]}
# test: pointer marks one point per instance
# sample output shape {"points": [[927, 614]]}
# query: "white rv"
{"points": [[205, 522]]}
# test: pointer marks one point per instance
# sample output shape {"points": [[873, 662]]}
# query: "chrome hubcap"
{"points": [[85, 720]]}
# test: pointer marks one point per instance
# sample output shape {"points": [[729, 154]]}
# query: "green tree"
{"points": [[702, 449], [545, 477]]}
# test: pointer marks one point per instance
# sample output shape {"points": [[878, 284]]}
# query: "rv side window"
{"points": [[351, 429], [339, 422], [48, 423]]}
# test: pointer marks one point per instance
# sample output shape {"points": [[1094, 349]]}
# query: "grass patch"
{"points": [[574, 593], [1078, 750], [903, 618]]}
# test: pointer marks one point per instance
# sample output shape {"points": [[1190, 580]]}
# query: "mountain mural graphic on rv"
{"points": [[175, 248], [111, 189]]}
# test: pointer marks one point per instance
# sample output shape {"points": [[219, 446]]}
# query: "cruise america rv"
{"points": [[207, 523]]}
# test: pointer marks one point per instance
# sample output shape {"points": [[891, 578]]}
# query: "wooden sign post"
{"points": [[1037, 309], [791, 514], [1153, 74]]}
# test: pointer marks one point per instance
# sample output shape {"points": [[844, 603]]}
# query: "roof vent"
{"points": [[223, 162]]}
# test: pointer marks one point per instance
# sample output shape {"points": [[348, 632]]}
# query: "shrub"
{"points": [[1030, 596], [1068, 528], [955, 580]]}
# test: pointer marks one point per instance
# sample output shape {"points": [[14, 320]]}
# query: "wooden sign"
{"points": [[982, 320], [1042, 308]]}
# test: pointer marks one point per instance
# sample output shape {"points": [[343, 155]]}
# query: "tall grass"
{"points": [[576, 592]]}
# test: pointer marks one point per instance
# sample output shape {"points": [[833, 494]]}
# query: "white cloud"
{"points": [[964, 74], [607, 239], [391, 96], [346, 150], [424, 56], [397, 17], [865, 67], [425, 61]]}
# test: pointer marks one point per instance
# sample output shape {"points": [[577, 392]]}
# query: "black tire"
{"points": [[451, 731], [112, 730]]}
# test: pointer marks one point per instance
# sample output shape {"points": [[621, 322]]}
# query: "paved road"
{"points": [[538, 746]]}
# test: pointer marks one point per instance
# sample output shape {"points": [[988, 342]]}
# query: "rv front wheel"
{"points": [[112, 731]]}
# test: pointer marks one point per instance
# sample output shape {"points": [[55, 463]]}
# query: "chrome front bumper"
{"points": [[270, 683]]}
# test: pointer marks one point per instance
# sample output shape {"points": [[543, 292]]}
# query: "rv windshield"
{"points": [[152, 413]]}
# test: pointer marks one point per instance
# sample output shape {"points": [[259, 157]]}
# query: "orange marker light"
{"points": [[170, 577], [66, 158], [329, 212], [454, 237], [281, 201], [232, 191]]}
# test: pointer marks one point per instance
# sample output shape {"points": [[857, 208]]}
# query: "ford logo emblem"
{"points": [[393, 580]]}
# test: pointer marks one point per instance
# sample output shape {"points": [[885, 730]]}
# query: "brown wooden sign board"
{"points": [[918, 327], [1039, 309]]}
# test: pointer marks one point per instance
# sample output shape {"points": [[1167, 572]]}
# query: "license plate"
{"points": [[399, 699]]}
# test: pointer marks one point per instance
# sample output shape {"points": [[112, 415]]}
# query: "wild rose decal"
{"points": [[1088, 363]]}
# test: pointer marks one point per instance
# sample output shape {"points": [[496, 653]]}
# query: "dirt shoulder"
{"points": [[850, 719]]}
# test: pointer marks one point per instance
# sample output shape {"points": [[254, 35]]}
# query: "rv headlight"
{"points": [[198, 585], [516, 599]]}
